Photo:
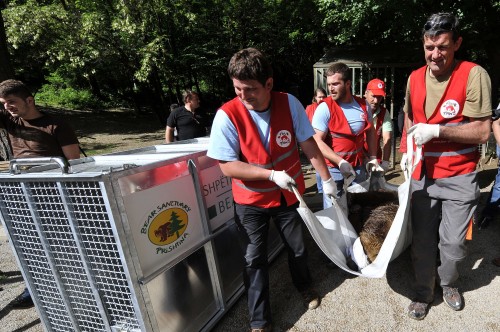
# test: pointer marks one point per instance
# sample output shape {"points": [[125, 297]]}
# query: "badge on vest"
{"points": [[449, 109], [284, 138]]}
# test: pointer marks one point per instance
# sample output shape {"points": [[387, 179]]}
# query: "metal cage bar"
{"points": [[64, 239]]}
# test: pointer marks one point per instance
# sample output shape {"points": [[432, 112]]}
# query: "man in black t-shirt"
{"points": [[185, 120]]}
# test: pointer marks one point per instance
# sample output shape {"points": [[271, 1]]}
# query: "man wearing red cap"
{"points": [[381, 120]]}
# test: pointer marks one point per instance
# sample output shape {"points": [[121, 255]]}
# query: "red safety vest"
{"points": [[340, 138], [283, 154], [380, 122], [310, 109], [443, 158], [402, 144]]}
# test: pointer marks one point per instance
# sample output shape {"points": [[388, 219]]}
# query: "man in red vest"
{"points": [[255, 138], [341, 123], [381, 120], [448, 102]]}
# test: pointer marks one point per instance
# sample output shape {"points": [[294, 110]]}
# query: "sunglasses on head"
{"points": [[433, 25]]}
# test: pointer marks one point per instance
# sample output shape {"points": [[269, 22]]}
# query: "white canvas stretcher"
{"points": [[334, 234]]}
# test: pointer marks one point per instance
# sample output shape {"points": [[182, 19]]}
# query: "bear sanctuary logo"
{"points": [[166, 226], [284, 138], [449, 109]]}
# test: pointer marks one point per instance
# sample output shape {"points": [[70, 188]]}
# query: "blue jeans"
{"points": [[494, 198], [253, 227], [339, 181], [319, 183]]}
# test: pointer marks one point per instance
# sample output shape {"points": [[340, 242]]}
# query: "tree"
{"points": [[393, 23], [142, 54], [6, 70], [175, 224], [480, 26]]}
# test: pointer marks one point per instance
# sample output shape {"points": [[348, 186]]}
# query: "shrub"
{"points": [[67, 97]]}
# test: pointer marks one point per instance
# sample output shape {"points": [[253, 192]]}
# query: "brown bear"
{"points": [[371, 214]]}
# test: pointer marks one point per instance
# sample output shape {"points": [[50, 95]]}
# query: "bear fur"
{"points": [[371, 214]]}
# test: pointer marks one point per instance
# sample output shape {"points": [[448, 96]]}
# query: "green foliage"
{"points": [[374, 21], [137, 51], [143, 53], [56, 93], [68, 98]]}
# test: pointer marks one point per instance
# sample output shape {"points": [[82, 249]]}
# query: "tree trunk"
{"points": [[494, 57], [94, 86], [159, 104], [6, 70]]}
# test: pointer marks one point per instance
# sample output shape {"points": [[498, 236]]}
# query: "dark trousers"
{"points": [[493, 202], [253, 226]]}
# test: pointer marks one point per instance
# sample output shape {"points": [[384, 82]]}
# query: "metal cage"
{"points": [[89, 238]]}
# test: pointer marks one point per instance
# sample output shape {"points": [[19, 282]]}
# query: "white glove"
{"points": [[283, 180], [385, 165], [346, 169], [404, 162], [329, 187], [423, 132], [373, 166]]}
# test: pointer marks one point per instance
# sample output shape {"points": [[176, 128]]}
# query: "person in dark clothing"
{"points": [[185, 120], [32, 133], [493, 203]]}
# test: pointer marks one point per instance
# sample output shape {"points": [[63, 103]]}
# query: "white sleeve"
{"points": [[321, 118], [301, 125], [224, 143]]}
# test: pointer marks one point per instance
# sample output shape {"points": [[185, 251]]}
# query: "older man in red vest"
{"points": [[448, 102]]}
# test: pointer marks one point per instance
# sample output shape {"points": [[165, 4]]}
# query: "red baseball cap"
{"points": [[377, 87]]}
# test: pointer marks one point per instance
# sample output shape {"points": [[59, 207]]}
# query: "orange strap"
{"points": [[468, 235]]}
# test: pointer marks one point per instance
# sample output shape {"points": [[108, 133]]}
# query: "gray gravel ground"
{"points": [[349, 303], [13, 285]]}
